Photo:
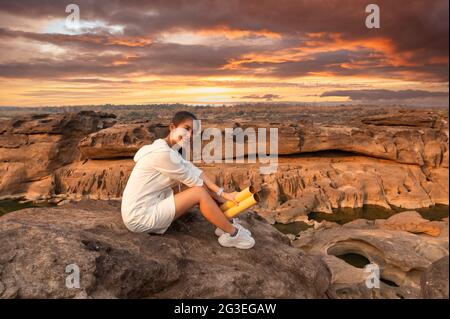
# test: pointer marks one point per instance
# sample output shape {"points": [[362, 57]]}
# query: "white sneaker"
{"points": [[219, 232], [242, 240]]}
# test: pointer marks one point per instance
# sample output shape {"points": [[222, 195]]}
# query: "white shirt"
{"points": [[158, 168]]}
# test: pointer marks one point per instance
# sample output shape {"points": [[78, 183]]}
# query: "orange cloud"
{"points": [[231, 33], [327, 42], [130, 42]]}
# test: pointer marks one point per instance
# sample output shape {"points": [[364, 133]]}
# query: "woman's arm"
{"points": [[220, 200], [214, 188], [170, 165], [209, 183]]}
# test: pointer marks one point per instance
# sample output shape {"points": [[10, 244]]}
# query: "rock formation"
{"points": [[120, 141], [398, 159], [403, 257], [411, 222], [187, 262], [434, 280], [358, 158], [33, 147]]}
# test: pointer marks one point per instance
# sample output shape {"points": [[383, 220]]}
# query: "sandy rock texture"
{"points": [[402, 254], [186, 262]]}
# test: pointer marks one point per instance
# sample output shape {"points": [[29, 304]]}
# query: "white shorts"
{"points": [[153, 219]]}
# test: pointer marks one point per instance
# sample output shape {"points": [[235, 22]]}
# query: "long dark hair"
{"points": [[181, 116]]}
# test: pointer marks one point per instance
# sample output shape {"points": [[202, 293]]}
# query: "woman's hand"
{"points": [[231, 197]]}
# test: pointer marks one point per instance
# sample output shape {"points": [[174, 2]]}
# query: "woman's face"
{"points": [[182, 133]]}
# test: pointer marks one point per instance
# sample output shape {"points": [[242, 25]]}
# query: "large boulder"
{"points": [[186, 262], [412, 222], [120, 141]]}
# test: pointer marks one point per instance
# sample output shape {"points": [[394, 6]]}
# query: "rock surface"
{"points": [[411, 222], [406, 145], [390, 159], [434, 280], [403, 144], [186, 262], [402, 257], [327, 160], [120, 141], [312, 183], [32, 147]]}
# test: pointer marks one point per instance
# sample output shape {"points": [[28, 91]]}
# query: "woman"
{"points": [[149, 203]]}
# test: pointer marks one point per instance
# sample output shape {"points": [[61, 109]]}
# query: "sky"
{"points": [[215, 52]]}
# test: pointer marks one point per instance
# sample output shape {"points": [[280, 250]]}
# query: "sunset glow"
{"points": [[218, 52]]}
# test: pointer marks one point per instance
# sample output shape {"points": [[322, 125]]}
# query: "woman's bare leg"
{"points": [[208, 207]]}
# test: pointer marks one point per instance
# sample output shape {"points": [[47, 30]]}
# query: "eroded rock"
{"points": [[401, 257], [33, 146], [186, 262], [434, 280], [389, 159], [120, 141], [411, 222]]}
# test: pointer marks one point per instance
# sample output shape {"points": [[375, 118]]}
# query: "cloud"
{"points": [[331, 38], [245, 41], [267, 97], [157, 59], [376, 95]]}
